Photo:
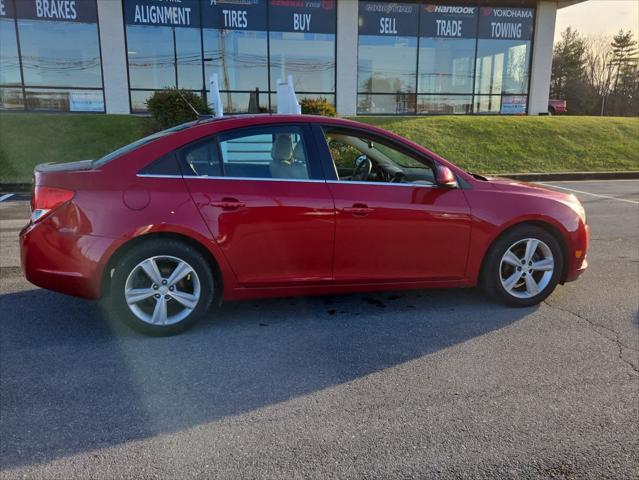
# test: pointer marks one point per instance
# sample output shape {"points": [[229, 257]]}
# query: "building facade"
{"points": [[366, 57]]}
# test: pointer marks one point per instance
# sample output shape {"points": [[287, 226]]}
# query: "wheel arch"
{"points": [[121, 250], [549, 227]]}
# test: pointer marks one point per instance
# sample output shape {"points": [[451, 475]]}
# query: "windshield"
{"points": [[139, 143]]}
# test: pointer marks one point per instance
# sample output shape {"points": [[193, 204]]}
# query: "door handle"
{"points": [[228, 203], [358, 210]]}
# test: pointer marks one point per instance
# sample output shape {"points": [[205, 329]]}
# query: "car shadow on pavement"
{"points": [[73, 381]]}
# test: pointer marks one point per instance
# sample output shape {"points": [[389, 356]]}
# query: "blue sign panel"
{"points": [[234, 14], [83, 11], [305, 16], [6, 8], [449, 21], [497, 23], [173, 13], [388, 19]]}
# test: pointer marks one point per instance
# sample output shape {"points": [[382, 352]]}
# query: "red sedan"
{"points": [[278, 205]]}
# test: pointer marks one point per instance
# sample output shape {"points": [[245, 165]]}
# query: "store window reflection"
{"points": [[50, 64]]}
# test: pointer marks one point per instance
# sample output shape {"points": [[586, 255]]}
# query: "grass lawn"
{"points": [[482, 144]]}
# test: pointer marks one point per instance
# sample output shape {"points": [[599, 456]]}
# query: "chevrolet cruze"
{"points": [[283, 205]]}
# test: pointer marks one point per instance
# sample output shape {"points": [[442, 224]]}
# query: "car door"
{"points": [[266, 203], [395, 224]]}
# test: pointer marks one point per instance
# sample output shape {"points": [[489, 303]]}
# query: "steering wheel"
{"points": [[363, 169]]}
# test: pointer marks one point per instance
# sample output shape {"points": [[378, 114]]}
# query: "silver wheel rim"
{"points": [[162, 290], [526, 268]]}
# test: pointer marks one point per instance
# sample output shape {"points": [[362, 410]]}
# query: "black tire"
{"points": [[492, 268], [551, 111], [161, 248]]}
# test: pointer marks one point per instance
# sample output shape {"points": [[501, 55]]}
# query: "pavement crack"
{"points": [[594, 325]]}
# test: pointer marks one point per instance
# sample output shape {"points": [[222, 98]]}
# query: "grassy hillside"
{"points": [[525, 144], [482, 144], [29, 139]]}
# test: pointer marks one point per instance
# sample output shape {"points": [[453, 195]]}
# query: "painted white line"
{"points": [[5, 197], [591, 194]]}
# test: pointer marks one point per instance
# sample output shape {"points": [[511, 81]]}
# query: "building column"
{"points": [[347, 28], [541, 65], [116, 84]]}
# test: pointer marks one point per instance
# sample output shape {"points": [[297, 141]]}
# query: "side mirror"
{"points": [[445, 177]]}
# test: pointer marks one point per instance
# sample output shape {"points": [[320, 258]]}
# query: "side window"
{"points": [[267, 152], [166, 165], [359, 158], [200, 159]]}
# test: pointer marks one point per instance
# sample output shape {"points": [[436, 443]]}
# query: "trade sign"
{"points": [[448, 21]]}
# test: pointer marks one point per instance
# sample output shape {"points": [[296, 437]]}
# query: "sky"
{"points": [[604, 17]]}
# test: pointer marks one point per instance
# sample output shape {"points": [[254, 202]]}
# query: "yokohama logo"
{"points": [[507, 12]]}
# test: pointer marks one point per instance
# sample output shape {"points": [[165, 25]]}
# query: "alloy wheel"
{"points": [[526, 268], [162, 290]]}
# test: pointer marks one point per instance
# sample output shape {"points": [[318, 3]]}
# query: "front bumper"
{"points": [[578, 261], [62, 261]]}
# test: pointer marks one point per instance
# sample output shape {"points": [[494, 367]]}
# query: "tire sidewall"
{"points": [[152, 248], [491, 275]]}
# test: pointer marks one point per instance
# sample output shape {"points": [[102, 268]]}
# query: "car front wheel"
{"points": [[523, 267], [161, 287]]}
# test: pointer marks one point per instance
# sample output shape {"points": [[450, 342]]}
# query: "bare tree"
{"points": [[600, 70]]}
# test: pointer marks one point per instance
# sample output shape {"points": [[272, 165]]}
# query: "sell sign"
{"points": [[6, 8], [388, 19]]}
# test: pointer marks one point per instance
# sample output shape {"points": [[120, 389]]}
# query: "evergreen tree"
{"points": [[625, 60], [568, 80]]}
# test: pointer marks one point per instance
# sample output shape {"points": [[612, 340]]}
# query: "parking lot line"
{"points": [[588, 193], [6, 196]]}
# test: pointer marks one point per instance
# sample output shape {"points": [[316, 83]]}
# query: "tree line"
{"points": [[596, 75]]}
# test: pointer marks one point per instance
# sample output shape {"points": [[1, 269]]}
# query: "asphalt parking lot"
{"points": [[426, 384]]}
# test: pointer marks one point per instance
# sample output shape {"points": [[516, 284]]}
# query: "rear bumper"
{"points": [[64, 262]]}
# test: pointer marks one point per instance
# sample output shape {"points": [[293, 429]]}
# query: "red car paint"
{"points": [[272, 238], [557, 106]]}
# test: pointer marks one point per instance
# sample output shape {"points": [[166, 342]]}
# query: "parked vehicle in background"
{"points": [[556, 107], [283, 205]]}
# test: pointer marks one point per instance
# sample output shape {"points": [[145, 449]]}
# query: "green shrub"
{"points": [[168, 108], [318, 106]]}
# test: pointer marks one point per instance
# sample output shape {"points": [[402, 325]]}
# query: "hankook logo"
{"points": [[450, 9]]}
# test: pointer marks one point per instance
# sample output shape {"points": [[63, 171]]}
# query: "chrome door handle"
{"points": [[358, 210], [228, 203]]}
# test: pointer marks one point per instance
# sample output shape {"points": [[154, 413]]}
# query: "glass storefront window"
{"points": [[52, 59], [502, 67], [386, 64], [387, 57], [446, 65], [60, 54], [10, 71], [151, 57], [444, 104], [238, 57], [309, 57], [188, 48]]}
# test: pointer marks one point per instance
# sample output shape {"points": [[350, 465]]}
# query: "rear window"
{"points": [[138, 143]]}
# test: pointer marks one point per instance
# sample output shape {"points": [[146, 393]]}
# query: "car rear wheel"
{"points": [[523, 267], [161, 287]]}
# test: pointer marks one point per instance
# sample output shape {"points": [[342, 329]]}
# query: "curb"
{"points": [[559, 176], [13, 187]]}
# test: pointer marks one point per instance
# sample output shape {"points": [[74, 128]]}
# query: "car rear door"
{"points": [[262, 194], [395, 232]]}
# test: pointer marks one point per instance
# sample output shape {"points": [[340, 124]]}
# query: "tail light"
{"points": [[46, 199]]}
